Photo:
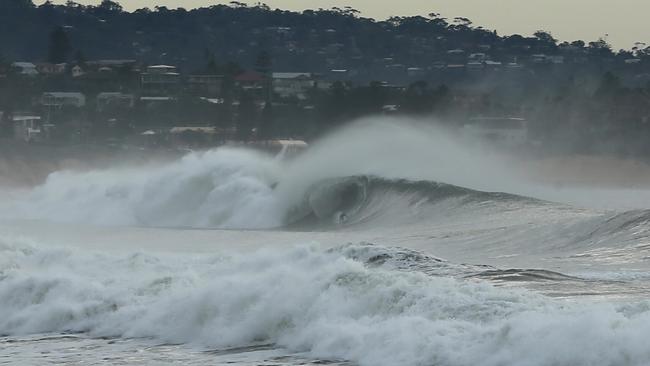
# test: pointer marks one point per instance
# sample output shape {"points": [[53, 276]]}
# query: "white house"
{"points": [[293, 84], [25, 68], [27, 128], [77, 71], [477, 57], [160, 79], [46, 68], [60, 99], [504, 131], [162, 69], [115, 99], [415, 72]]}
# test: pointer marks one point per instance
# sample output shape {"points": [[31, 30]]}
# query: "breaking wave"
{"points": [[362, 303], [241, 189], [368, 304], [227, 188]]}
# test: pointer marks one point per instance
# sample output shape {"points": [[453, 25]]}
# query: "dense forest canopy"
{"points": [[313, 40]]}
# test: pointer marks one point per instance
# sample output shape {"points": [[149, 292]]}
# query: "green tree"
{"points": [[418, 99], [263, 65], [600, 48], [4, 98], [266, 130], [545, 37], [211, 67], [263, 62], [111, 6], [609, 85], [59, 46], [7, 5], [247, 116], [80, 58]]}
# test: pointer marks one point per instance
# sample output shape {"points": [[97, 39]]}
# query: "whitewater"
{"points": [[385, 243]]}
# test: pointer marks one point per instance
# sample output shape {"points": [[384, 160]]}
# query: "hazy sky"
{"points": [[624, 21]]}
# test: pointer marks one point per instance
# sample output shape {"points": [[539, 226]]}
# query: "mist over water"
{"points": [[238, 188], [385, 243]]}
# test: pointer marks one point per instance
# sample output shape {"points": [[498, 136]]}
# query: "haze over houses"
{"points": [[25, 68], [260, 73], [294, 84], [164, 105], [63, 99]]}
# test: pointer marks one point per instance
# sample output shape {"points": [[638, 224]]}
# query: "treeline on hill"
{"points": [[579, 96], [315, 40]]}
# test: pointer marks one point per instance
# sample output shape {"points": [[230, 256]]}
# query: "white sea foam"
{"points": [[222, 188], [322, 302]]}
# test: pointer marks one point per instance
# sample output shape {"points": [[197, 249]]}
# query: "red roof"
{"points": [[250, 76]]}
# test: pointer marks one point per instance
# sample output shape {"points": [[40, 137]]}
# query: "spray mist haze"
{"points": [[237, 188]]}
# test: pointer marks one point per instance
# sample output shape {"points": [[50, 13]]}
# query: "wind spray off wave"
{"points": [[374, 169], [236, 188]]}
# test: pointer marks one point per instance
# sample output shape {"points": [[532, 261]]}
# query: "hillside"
{"points": [[313, 41]]}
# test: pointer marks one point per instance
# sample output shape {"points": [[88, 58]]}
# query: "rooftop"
{"points": [[292, 75], [63, 94]]}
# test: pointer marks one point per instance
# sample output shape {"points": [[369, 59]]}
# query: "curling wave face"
{"points": [[223, 188], [241, 189], [235, 188], [364, 172]]}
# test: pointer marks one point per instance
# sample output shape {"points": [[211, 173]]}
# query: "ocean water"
{"points": [[380, 245]]}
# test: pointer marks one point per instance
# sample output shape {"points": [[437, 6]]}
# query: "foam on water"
{"points": [[328, 303], [222, 188], [372, 305]]}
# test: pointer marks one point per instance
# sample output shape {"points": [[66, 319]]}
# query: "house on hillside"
{"points": [[205, 85], [63, 99], [77, 71], [416, 72], [160, 80], [25, 68], [477, 57], [456, 56], [492, 65], [194, 136], [156, 101], [250, 80], [293, 84], [46, 68], [475, 66], [114, 100], [111, 64], [28, 128]]}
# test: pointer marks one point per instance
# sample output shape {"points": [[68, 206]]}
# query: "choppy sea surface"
{"points": [[334, 257]]}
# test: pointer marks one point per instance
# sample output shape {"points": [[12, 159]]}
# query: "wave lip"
{"points": [[228, 189], [371, 200]]}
